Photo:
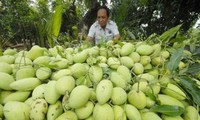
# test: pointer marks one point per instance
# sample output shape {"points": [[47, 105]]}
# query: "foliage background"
{"points": [[31, 22]]}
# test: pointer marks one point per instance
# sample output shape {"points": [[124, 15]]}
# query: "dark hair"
{"points": [[106, 8]]}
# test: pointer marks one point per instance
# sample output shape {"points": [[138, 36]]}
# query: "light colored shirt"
{"points": [[100, 35]]}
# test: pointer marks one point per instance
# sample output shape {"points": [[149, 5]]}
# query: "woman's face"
{"points": [[102, 17]]}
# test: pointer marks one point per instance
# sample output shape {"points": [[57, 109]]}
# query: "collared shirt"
{"points": [[100, 35]]}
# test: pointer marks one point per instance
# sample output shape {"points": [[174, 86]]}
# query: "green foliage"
{"points": [[175, 59], [16, 19], [55, 24], [143, 18], [168, 110], [121, 12], [189, 85], [33, 21], [25, 20], [41, 20], [169, 34], [186, 50]]}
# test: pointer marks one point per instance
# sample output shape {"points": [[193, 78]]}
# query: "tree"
{"points": [[70, 20], [16, 19], [135, 18], [155, 16], [38, 22]]}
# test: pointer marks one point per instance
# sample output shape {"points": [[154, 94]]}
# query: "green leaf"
{"points": [[120, 43], [191, 87], [197, 52], [179, 39], [57, 20], [169, 34], [168, 110], [144, 2], [194, 68], [151, 95], [106, 72], [175, 59]]}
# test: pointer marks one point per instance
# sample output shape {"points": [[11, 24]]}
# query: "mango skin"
{"points": [[150, 116], [168, 100], [135, 57], [125, 71], [25, 84], [104, 91], [119, 96], [43, 73], [68, 115], [144, 49], [190, 113], [137, 99], [126, 61], [50, 93], [17, 96], [113, 62], [174, 91], [25, 72], [54, 110], [7, 59], [78, 70], [79, 96], [14, 110], [65, 84], [127, 49], [103, 112], [5, 67], [38, 92], [5, 81], [118, 80], [138, 68], [35, 52], [96, 73], [119, 113], [38, 110], [165, 117], [85, 111], [132, 112]]}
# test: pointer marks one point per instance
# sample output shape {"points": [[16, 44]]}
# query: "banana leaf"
{"points": [[54, 25], [57, 20], [170, 110]]}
